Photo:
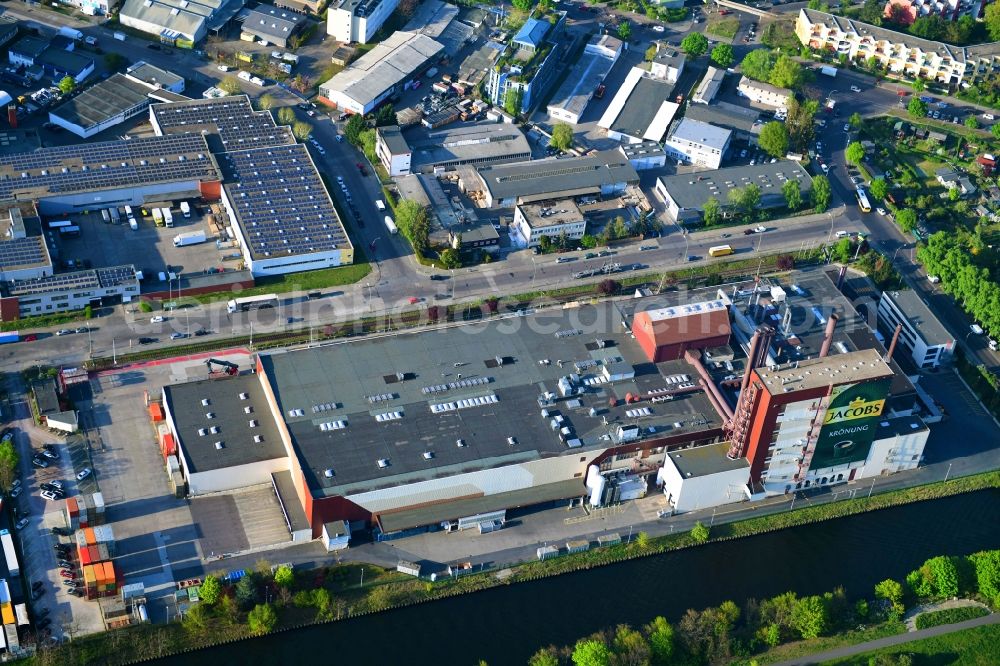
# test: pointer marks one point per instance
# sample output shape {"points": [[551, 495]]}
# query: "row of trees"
{"points": [[414, 223], [285, 115], [745, 201], [972, 285], [724, 632]]}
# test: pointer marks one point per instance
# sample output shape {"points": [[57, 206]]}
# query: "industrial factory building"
{"points": [[454, 427]]}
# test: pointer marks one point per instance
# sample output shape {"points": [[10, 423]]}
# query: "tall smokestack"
{"points": [[892, 345], [754, 342], [828, 340]]}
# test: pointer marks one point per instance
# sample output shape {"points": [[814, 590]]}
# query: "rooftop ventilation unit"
{"points": [[383, 463], [428, 455], [205, 402], [253, 423], [460, 443], [328, 473], [244, 396], [202, 432], [209, 415], [248, 409], [219, 446], [258, 438]]}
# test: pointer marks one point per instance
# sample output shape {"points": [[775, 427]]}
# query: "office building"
{"points": [[697, 143], [922, 335]]}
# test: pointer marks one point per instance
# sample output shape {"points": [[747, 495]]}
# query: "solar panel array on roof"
{"points": [[232, 118], [101, 278], [107, 164], [22, 252], [282, 205]]}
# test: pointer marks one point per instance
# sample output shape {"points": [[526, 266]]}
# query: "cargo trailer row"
{"points": [[9, 553]]}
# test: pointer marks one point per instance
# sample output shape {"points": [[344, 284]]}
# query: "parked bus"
{"points": [[863, 201], [59, 224], [720, 250], [252, 303], [71, 231]]}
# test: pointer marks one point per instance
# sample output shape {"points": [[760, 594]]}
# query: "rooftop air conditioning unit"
{"points": [[383, 463]]}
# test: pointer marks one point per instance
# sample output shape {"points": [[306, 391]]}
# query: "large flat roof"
{"points": [[104, 165], [706, 460], [281, 203], [643, 102], [920, 317], [233, 119], [578, 87], [700, 133], [346, 407], [24, 252], [552, 176], [858, 366], [390, 63], [153, 75], [96, 278], [468, 144], [103, 101], [269, 21], [692, 190], [551, 213], [726, 115], [227, 401]]}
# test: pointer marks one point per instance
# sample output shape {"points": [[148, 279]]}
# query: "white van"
{"points": [[988, 116], [933, 279], [379, 204], [842, 234]]}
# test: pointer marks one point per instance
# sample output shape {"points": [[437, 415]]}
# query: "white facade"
{"points": [[695, 142], [668, 64], [764, 93], [901, 451], [925, 353], [527, 229], [230, 478], [357, 20], [390, 153], [691, 493]]}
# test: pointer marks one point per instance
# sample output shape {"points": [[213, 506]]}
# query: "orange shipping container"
{"points": [[85, 556], [155, 412], [91, 539], [109, 573], [169, 446], [72, 506], [8, 613]]}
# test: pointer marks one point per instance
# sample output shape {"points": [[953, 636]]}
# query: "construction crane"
{"points": [[229, 368]]}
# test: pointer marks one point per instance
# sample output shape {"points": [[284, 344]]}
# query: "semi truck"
{"points": [[189, 238], [73, 34], [826, 70]]}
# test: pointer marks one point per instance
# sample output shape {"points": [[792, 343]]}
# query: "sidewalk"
{"points": [[890, 641]]}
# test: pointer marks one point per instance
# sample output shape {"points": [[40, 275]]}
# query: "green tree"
{"points": [[695, 44], [545, 243], [995, 129], [385, 116], [855, 153], [286, 115], [284, 576], [872, 12], [774, 139], [230, 85], [892, 593], [917, 108], [711, 211], [971, 122], [210, 590], [661, 641], [591, 653], [321, 601], [562, 136], [820, 195], [810, 618], [879, 188], [301, 130], [906, 218], [9, 460], [700, 532], [512, 100], [354, 127], [799, 123], [67, 84], [992, 20], [855, 120], [624, 30], [246, 591], [793, 195], [954, 194], [723, 55], [745, 199], [366, 141], [523, 5], [450, 258], [544, 657], [266, 102], [841, 251], [412, 220], [114, 62], [630, 647], [195, 619], [262, 619], [786, 73], [987, 570], [758, 64], [642, 540], [928, 27], [944, 575], [618, 228]]}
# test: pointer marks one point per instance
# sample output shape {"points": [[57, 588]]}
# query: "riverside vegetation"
{"points": [[266, 601]]}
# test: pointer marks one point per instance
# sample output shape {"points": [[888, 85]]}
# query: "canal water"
{"points": [[507, 624]]}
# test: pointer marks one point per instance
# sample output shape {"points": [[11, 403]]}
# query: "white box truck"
{"points": [[168, 217], [826, 70], [189, 238], [73, 34], [133, 224], [120, 36], [185, 209]]}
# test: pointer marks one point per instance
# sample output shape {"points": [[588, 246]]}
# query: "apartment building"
{"points": [[897, 52], [695, 142], [357, 20], [764, 94], [392, 150]]}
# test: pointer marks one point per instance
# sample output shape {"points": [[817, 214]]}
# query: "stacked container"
{"points": [[105, 537], [6, 609], [89, 510], [71, 511], [100, 579], [155, 412]]}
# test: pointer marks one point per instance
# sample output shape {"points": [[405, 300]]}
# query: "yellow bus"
{"points": [[863, 201], [720, 250]]}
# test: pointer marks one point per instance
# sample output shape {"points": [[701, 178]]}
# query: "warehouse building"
{"points": [[645, 155], [685, 194], [474, 145], [665, 334], [357, 20], [703, 477], [380, 73], [641, 110], [922, 335], [694, 142], [578, 88], [180, 22], [156, 77], [604, 173], [272, 25], [23, 255], [106, 104]]}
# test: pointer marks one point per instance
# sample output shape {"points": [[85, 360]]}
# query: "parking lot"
{"points": [[150, 248]]}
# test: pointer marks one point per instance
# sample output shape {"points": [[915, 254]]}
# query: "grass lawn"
{"points": [[971, 647], [306, 281], [723, 27], [817, 645], [43, 321]]}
